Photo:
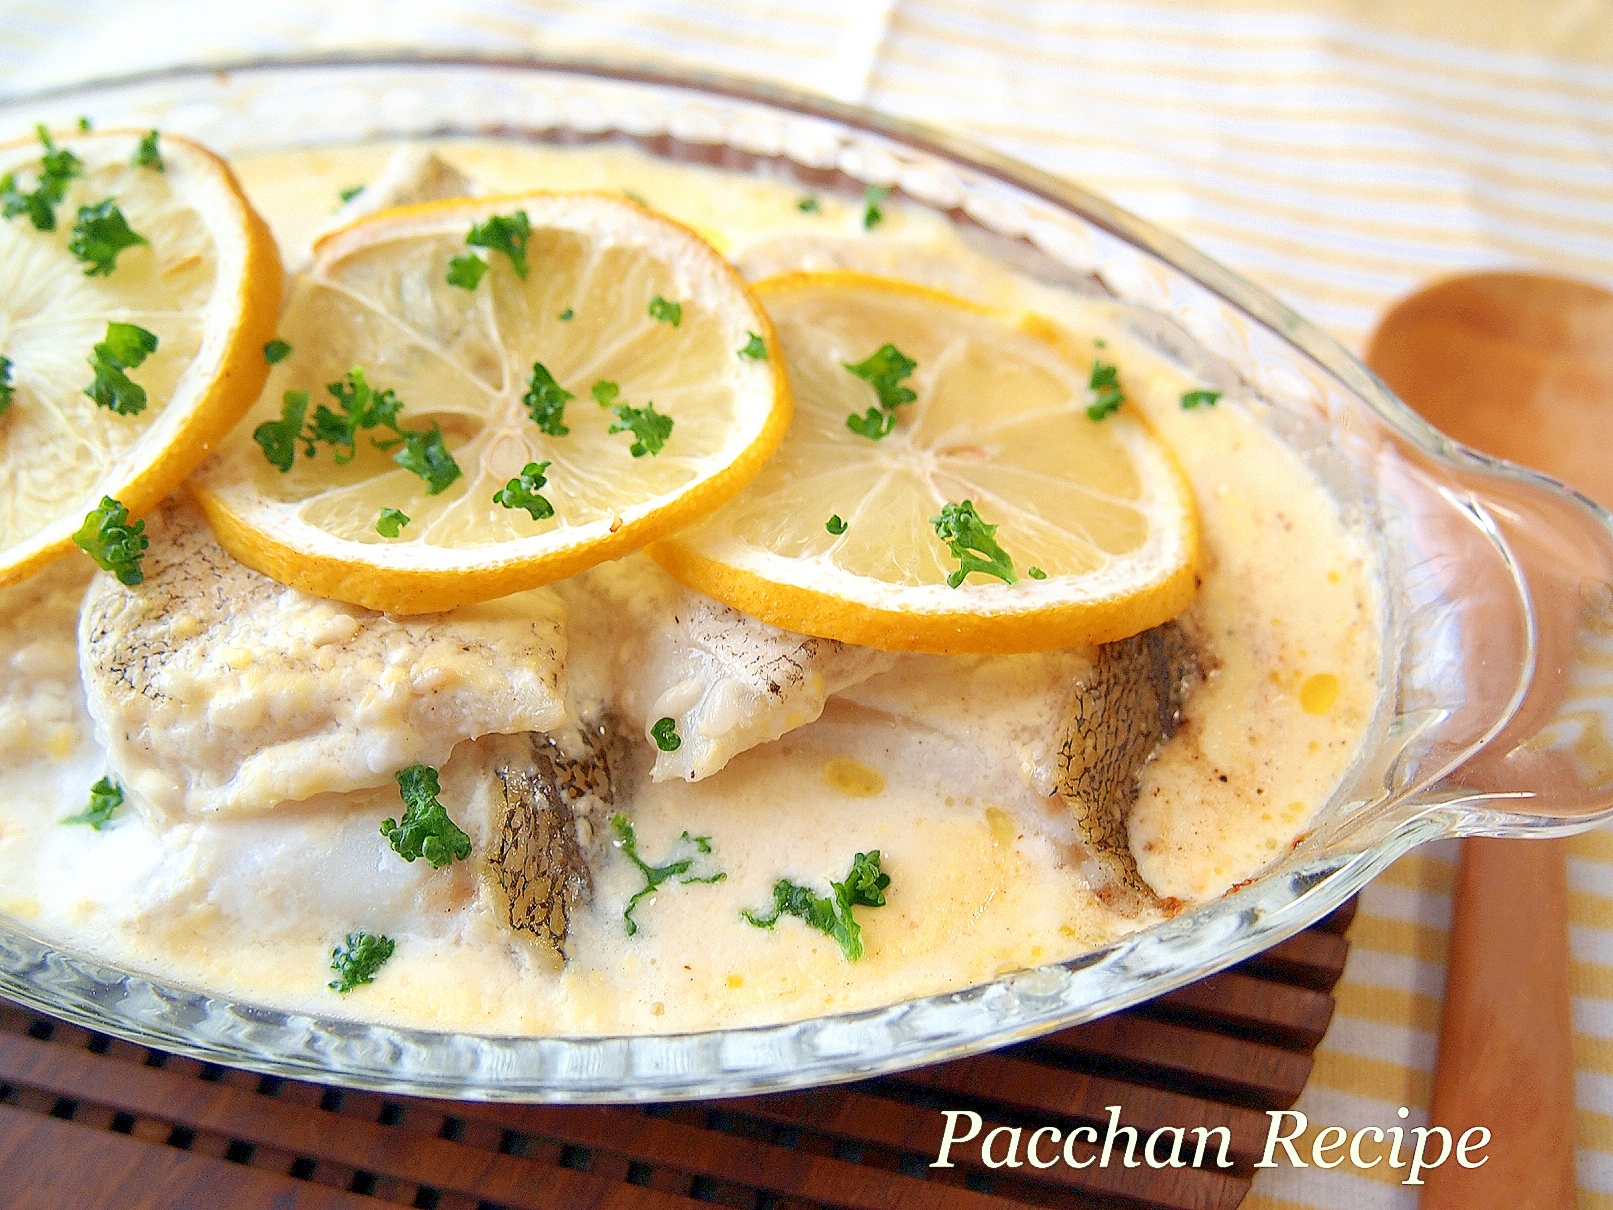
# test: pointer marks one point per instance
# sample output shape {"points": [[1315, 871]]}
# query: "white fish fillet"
{"points": [[646, 648], [214, 688]]}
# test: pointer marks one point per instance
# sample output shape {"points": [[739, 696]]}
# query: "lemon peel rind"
{"points": [[378, 577], [229, 392]]}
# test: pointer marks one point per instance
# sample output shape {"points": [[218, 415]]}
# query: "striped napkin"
{"points": [[1340, 152]]}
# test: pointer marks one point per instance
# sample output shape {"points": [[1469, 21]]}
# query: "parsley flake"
{"points": [[351, 192], [57, 168], [426, 454], [506, 233], [1193, 399], [7, 391], [125, 347], [567, 315], [863, 886], [147, 155], [646, 424], [106, 796], [546, 400], [276, 351], [84, 123], [278, 438], [390, 523], [363, 407], [523, 492], [99, 233], [466, 271], [655, 875], [665, 312], [809, 204], [1107, 395], [116, 545], [971, 543], [357, 959], [665, 734], [755, 347], [426, 830], [604, 392], [873, 216], [1036, 573], [883, 370], [835, 525]]}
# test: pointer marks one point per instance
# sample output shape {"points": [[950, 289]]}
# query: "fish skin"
{"points": [[550, 807], [215, 689], [1126, 709]]}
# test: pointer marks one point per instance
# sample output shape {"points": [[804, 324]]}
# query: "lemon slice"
{"points": [[206, 283], [1099, 508], [612, 294]]}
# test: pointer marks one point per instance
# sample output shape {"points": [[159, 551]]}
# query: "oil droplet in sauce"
{"points": [[1004, 831], [736, 980], [1319, 692], [853, 778]]}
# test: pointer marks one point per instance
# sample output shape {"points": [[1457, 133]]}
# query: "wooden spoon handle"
{"points": [[1506, 1056]]}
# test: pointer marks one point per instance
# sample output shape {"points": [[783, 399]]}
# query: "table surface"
{"points": [[1340, 152]]}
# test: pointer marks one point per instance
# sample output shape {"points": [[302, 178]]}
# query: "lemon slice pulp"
{"points": [[613, 294], [206, 283], [1098, 507]]}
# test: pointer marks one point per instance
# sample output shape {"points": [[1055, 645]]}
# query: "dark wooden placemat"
{"points": [[88, 1121]]}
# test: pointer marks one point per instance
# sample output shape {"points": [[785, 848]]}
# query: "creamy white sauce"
{"points": [[942, 765]]}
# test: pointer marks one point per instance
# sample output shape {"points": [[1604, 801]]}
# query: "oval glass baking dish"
{"points": [[1497, 678]]}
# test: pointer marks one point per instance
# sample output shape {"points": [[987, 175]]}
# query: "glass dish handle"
{"points": [[1540, 647]]}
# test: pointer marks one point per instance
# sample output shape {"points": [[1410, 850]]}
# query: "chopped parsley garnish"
{"points": [[126, 346], [883, 370], [278, 438], [655, 875], [426, 454], [755, 347], [276, 351], [646, 424], [147, 154], [873, 216], [523, 492], [7, 391], [665, 312], [1106, 393], [567, 315], [835, 525], [56, 168], [665, 734], [808, 204], [1099, 342], [357, 959], [506, 233], [1193, 399], [106, 796], [84, 123], [466, 270], [390, 523], [546, 400], [423, 451], [99, 233], [351, 192], [426, 830], [116, 545], [604, 392], [1036, 573], [971, 543], [864, 885]]}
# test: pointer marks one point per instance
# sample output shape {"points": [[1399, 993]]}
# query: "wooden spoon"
{"points": [[1519, 365]]}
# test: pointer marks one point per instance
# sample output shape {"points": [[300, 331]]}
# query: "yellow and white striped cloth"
{"points": [[1341, 152]]}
